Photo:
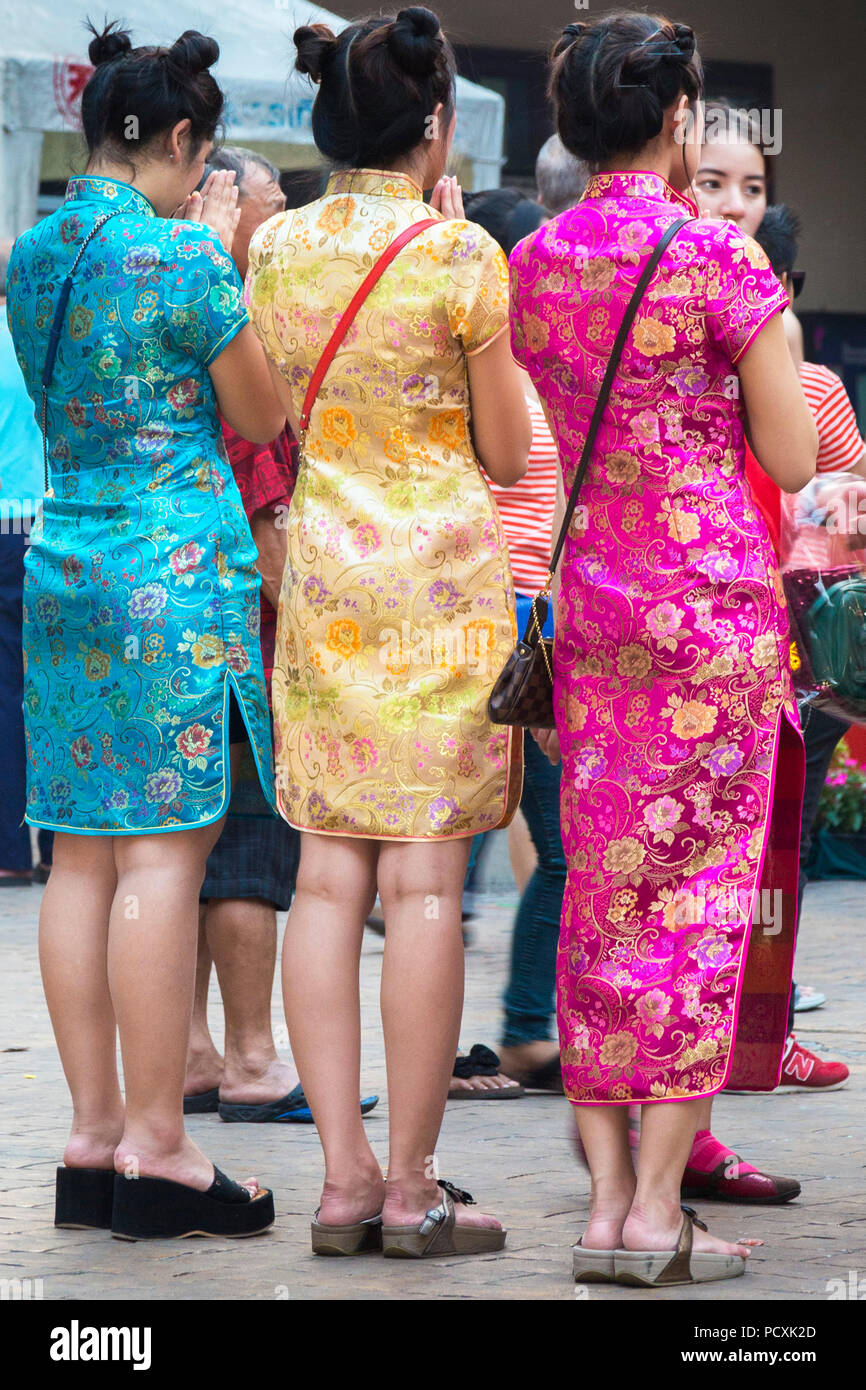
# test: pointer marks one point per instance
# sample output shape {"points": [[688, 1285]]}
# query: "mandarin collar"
{"points": [[637, 183], [112, 192], [381, 183]]}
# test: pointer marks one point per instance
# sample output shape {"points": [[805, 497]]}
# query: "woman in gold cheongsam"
{"points": [[396, 611]]}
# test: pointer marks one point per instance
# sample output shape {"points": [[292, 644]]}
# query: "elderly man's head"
{"points": [[259, 194], [559, 177]]}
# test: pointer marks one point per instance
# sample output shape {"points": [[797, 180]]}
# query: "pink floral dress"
{"points": [[682, 755]]}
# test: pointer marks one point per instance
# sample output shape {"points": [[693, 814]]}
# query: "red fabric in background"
{"points": [[265, 475], [768, 498]]}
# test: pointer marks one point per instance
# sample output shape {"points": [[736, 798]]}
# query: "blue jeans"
{"points": [[529, 995]]}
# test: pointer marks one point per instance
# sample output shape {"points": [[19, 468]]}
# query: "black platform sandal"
{"points": [[154, 1208], [84, 1198]]}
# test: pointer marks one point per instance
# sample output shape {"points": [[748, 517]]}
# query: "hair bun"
{"points": [[110, 44], [685, 41], [193, 52], [413, 39], [316, 44]]}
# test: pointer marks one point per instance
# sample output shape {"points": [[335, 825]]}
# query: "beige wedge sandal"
{"points": [[439, 1233], [660, 1268], [593, 1266], [363, 1238]]}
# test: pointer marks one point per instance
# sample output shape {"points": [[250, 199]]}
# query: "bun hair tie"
{"points": [[575, 31], [678, 42]]}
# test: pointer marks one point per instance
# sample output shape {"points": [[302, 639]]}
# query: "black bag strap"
{"points": [[604, 394], [57, 329]]}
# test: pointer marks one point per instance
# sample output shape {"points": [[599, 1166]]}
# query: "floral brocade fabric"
{"points": [[141, 594], [682, 757], [396, 611]]}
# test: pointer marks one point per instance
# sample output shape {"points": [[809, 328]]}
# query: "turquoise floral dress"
{"points": [[141, 599]]}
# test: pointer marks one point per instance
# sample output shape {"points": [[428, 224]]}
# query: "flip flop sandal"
{"points": [[661, 1268], [292, 1109], [482, 1061], [362, 1238], [154, 1208], [84, 1198], [439, 1233], [593, 1266], [205, 1103]]}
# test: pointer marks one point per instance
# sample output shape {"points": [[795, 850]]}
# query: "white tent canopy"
{"points": [[44, 64]]}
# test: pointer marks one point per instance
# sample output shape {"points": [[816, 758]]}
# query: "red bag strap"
{"points": [[352, 308]]}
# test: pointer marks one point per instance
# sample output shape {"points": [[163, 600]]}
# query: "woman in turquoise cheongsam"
{"points": [[141, 618]]}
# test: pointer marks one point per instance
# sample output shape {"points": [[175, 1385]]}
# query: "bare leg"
{"points": [[242, 936], [151, 971], [604, 1135], [420, 886], [321, 959], [73, 951], [655, 1219], [204, 1065], [521, 851]]}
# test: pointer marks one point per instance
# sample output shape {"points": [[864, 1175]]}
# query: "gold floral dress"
{"points": [[396, 610]]}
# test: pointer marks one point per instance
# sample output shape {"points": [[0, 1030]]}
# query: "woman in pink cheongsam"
{"points": [[682, 756]]}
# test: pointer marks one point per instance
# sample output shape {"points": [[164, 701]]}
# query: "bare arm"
{"points": [[501, 427], [243, 388], [270, 541], [780, 427]]}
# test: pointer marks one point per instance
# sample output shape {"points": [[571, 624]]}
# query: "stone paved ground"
{"points": [[514, 1156]]}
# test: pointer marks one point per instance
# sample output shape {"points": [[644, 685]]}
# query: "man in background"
{"points": [[250, 873], [559, 177]]}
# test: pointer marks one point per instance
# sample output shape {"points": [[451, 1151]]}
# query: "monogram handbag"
{"points": [[523, 691]]}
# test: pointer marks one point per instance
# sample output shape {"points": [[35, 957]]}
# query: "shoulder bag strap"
{"points": [[57, 329], [604, 393], [352, 308]]}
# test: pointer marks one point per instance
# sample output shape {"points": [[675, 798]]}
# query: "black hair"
{"points": [[779, 236], [506, 213], [136, 94], [379, 81], [722, 111], [612, 81]]}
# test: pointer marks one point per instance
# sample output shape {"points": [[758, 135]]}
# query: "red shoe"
{"points": [[802, 1070], [724, 1184]]}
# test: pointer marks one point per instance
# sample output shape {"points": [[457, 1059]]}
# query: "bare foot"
{"points": [[500, 1082], [204, 1071], [184, 1164], [408, 1206], [253, 1083], [659, 1229], [94, 1148], [357, 1198]]}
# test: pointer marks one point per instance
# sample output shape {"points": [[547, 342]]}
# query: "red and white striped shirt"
{"points": [[839, 442], [527, 508]]}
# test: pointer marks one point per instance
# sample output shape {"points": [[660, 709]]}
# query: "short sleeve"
{"points": [[476, 296], [204, 304], [742, 292], [518, 332]]}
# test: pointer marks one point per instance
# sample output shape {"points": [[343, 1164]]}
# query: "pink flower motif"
{"points": [[661, 815], [364, 754], [185, 558], [237, 659], [367, 540], [184, 395], [194, 741], [82, 751]]}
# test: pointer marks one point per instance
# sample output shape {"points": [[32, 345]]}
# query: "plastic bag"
{"points": [[823, 563]]}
